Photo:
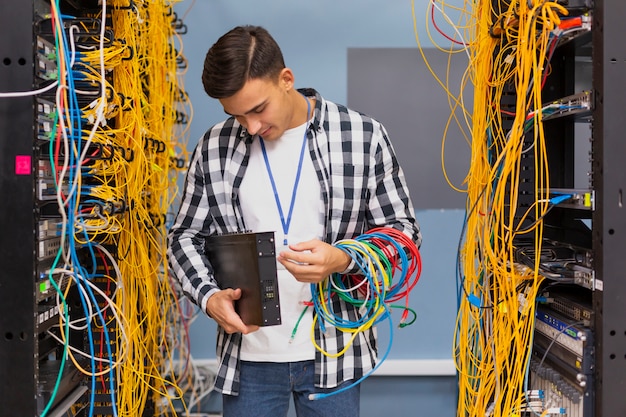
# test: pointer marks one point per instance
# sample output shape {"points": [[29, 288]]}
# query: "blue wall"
{"points": [[315, 37]]}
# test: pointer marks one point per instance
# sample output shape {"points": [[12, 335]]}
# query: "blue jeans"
{"points": [[266, 387]]}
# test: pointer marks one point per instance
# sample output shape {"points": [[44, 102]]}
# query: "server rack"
{"points": [[19, 344], [37, 377], [592, 226], [548, 108]]}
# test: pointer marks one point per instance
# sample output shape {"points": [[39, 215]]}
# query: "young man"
{"points": [[313, 171]]}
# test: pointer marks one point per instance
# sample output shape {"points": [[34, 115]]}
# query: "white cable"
{"points": [[91, 315], [29, 93], [204, 390], [87, 319], [80, 352], [462, 41]]}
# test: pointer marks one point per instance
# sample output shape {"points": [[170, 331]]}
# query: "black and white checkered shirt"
{"points": [[362, 186]]}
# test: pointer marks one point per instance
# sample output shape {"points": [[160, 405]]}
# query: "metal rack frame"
{"points": [[609, 217], [18, 307]]}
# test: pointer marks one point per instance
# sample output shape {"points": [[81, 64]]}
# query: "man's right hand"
{"points": [[221, 307]]}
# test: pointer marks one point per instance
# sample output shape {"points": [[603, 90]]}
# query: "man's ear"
{"points": [[286, 79]]}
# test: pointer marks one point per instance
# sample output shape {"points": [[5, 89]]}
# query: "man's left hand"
{"points": [[312, 261]]}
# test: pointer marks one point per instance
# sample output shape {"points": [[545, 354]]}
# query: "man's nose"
{"points": [[253, 125]]}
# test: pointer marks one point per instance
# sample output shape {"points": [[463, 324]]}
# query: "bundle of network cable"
{"points": [[390, 266]]}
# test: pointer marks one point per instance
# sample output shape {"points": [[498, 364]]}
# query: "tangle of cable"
{"points": [[389, 268], [509, 46], [120, 118]]}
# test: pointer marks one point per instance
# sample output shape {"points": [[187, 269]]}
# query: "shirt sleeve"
{"points": [[186, 237], [390, 203]]}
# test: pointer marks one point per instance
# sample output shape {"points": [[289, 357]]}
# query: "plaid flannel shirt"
{"points": [[362, 187]]}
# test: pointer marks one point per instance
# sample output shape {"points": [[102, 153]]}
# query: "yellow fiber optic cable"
{"points": [[507, 44]]}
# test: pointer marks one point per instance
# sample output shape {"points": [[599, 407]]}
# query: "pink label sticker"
{"points": [[22, 165]]}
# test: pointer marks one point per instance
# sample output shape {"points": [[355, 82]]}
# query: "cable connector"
{"points": [[474, 300], [536, 393]]}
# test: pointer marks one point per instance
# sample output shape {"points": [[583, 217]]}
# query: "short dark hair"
{"points": [[243, 53]]}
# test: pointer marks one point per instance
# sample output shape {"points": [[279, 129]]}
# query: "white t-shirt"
{"points": [[260, 211]]}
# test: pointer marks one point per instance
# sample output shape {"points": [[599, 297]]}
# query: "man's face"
{"points": [[263, 106]]}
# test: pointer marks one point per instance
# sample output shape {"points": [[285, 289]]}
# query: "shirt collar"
{"points": [[317, 114]]}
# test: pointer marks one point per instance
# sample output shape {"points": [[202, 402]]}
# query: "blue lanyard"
{"points": [[295, 185]]}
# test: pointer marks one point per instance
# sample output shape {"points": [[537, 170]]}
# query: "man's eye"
{"points": [[259, 110]]}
